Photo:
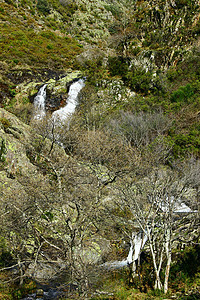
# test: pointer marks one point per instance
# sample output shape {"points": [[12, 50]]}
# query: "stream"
{"points": [[138, 240], [39, 103], [63, 113]]}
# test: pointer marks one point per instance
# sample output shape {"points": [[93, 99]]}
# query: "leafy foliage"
{"points": [[43, 6], [183, 94]]}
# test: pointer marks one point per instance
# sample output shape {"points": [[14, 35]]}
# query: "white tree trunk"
{"points": [[158, 284], [167, 274], [169, 258]]}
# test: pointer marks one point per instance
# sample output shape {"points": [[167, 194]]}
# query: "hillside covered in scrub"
{"points": [[100, 201]]}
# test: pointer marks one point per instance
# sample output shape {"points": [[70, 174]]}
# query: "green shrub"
{"points": [[172, 74], [16, 61], [118, 66], [183, 94], [116, 11], [48, 35], [5, 122], [186, 267], [12, 91], [43, 7], [48, 216], [185, 143], [139, 80], [49, 46], [9, 2]]}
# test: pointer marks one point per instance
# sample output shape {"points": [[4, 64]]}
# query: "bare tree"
{"points": [[159, 204]]}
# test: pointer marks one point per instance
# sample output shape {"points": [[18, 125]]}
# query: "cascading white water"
{"points": [[129, 259], [39, 103], [137, 243], [175, 204], [64, 113]]}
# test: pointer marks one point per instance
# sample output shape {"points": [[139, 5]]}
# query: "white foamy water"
{"points": [[64, 113], [137, 243], [39, 103], [176, 205]]}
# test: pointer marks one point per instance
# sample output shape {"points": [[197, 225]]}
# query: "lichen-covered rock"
{"points": [[17, 166], [57, 86]]}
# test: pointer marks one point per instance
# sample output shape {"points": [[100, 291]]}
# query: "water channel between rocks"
{"points": [[138, 240], [63, 113]]}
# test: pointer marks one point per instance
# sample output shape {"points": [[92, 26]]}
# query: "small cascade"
{"points": [[39, 103], [64, 113], [129, 259], [137, 243]]}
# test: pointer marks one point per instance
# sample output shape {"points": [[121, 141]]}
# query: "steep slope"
{"points": [[134, 134]]}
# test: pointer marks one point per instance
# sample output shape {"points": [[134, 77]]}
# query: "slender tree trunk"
{"points": [[158, 284], [20, 271], [167, 273], [169, 258]]}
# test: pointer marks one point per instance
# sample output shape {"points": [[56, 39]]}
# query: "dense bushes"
{"points": [[137, 78], [22, 44], [118, 66], [186, 268], [43, 6], [183, 94], [45, 48], [185, 143], [140, 129]]}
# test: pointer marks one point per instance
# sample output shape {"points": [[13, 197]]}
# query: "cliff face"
{"points": [[19, 170]]}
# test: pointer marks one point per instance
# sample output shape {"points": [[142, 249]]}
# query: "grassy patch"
{"points": [[23, 42]]}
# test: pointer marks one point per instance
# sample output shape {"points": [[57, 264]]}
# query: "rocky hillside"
{"points": [[74, 196]]}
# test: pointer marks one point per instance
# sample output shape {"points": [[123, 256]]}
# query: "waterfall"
{"points": [[64, 113], [176, 205], [39, 103], [129, 259], [137, 243]]}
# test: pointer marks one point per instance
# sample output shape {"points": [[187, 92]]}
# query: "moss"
{"points": [[5, 122], [3, 150], [43, 7]]}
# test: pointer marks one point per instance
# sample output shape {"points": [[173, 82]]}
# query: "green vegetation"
{"points": [[134, 139], [43, 7], [22, 44], [5, 122]]}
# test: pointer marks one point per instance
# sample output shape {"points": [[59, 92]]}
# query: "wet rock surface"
{"points": [[18, 76]]}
